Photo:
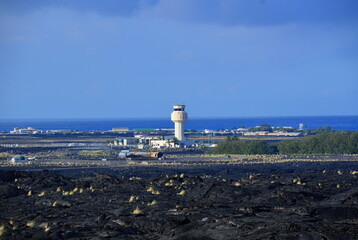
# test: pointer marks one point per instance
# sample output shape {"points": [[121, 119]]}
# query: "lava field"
{"points": [[307, 205]]}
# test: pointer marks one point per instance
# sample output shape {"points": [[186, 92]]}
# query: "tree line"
{"points": [[324, 143], [233, 145]]}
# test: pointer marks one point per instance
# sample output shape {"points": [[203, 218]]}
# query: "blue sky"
{"points": [[222, 58]]}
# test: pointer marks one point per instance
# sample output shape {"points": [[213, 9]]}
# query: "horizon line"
{"points": [[162, 118]]}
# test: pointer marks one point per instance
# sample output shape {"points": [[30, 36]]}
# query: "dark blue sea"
{"points": [[349, 123]]}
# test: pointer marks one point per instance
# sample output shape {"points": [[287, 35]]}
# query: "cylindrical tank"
{"points": [[179, 117], [145, 154]]}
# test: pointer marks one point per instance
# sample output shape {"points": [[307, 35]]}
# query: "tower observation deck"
{"points": [[179, 117]]}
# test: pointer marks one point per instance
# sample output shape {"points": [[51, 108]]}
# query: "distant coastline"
{"points": [[348, 123]]}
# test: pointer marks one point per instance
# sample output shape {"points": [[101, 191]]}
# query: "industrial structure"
{"points": [[179, 117], [126, 154], [301, 126]]}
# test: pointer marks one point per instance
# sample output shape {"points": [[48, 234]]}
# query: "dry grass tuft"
{"points": [[2, 230], [237, 184], [31, 223], [45, 227], [152, 203], [152, 191], [137, 211], [41, 194], [132, 198], [182, 192]]}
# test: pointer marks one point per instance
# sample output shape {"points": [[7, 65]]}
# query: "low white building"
{"points": [[259, 133], [242, 130], [125, 142], [157, 143], [285, 134], [59, 131], [120, 129], [274, 134], [28, 130]]}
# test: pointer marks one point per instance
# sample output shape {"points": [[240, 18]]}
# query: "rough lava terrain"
{"points": [[307, 205]]}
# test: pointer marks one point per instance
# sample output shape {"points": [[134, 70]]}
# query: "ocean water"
{"points": [[349, 123]]}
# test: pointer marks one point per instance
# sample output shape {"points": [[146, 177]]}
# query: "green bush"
{"points": [[323, 143], [235, 146]]}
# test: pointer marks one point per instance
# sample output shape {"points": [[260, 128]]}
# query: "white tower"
{"points": [[179, 117]]}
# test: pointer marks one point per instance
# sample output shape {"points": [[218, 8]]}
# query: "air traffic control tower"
{"points": [[179, 117]]}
